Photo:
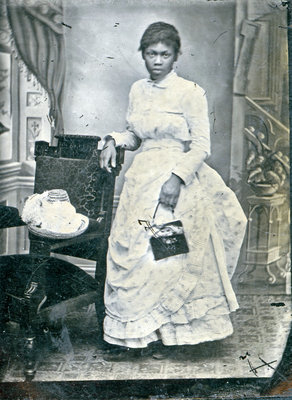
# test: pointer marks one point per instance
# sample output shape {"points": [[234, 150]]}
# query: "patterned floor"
{"points": [[261, 326]]}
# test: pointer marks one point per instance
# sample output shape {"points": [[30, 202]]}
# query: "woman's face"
{"points": [[159, 59]]}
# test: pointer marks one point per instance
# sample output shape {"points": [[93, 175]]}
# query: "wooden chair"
{"points": [[34, 285], [73, 165]]}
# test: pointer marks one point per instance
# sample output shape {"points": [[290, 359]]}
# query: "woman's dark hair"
{"points": [[160, 32]]}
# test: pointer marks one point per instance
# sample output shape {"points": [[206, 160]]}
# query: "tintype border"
{"points": [[248, 388]]}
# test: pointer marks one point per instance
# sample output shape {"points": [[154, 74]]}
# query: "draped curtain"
{"points": [[37, 31]]}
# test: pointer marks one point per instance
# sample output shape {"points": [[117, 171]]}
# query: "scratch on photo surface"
{"points": [[280, 304], [221, 34], [68, 26]]}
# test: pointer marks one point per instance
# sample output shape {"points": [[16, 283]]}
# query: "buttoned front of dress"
{"points": [[166, 109], [174, 109], [156, 110]]}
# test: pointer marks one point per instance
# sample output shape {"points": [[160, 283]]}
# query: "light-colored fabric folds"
{"points": [[185, 299]]}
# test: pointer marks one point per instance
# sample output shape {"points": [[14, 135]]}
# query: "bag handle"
{"points": [[156, 208]]}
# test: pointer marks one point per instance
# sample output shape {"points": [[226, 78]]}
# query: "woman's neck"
{"points": [[158, 80]]}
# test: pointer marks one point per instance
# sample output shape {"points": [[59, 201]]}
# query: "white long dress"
{"points": [[184, 299]]}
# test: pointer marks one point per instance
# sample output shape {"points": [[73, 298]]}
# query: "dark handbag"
{"points": [[168, 239]]}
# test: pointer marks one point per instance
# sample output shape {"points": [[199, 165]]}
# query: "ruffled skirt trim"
{"points": [[208, 328], [157, 317]]}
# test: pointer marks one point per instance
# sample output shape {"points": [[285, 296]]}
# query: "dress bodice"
{"points": [[157, 111], [173, 108]]}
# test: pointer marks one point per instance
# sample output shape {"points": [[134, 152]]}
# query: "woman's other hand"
{"points": [[170, 191], [108, 155]]}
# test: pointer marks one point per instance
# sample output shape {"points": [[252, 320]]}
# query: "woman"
{"points": [[187, 298]]}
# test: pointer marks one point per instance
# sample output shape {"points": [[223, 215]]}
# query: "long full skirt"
{"points": [[183, 299]]}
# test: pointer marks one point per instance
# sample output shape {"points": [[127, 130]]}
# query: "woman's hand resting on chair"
{"points": [[108, 155]]}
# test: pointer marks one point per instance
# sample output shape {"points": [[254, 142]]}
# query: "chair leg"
{"points": [[29, 355], [34, 296], [100, 274], [29, 348]]}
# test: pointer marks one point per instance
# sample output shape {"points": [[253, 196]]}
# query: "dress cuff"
{"points": [[126, 140], [188, 166], [182, 181], [183, 175]]}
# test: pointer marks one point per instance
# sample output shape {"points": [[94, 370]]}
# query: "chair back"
{"points": [[73, 165]]}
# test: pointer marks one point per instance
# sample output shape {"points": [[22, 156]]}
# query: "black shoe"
{"points": [[163, 352], [104, 346]]}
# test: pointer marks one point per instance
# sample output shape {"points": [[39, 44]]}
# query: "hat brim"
{"points": [[84, 222]]}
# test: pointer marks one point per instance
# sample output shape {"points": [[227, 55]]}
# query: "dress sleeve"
{"points": [[195, 109], [127, 139]]}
